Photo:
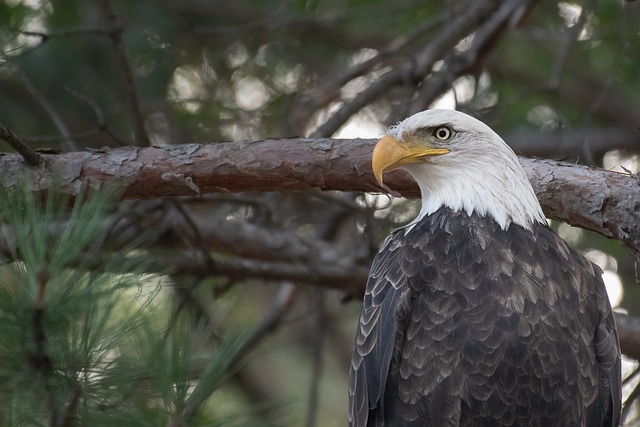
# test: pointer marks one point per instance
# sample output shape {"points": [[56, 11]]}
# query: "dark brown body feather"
{"points": [[466, 324]]}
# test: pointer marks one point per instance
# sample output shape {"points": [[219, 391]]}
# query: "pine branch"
{"points": [[141, 136], [594, 199], [30, 157], [278, 256], [328, 91], [416, 68], [464, 62]]}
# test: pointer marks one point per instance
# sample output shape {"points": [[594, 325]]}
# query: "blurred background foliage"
{"points": [[555, 79]]}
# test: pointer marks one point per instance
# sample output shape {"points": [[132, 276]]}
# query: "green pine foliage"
{"points": [[84, 344]]}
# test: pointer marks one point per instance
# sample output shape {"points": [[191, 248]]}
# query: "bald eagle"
{"points": [[477, 313]]}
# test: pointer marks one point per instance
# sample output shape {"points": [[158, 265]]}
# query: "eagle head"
{"points": [[459, 163]]}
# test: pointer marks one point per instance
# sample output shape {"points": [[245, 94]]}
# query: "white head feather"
{"points": [[480, 173]]}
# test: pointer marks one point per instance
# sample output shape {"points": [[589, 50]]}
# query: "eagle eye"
{"points": [[442, 133]]}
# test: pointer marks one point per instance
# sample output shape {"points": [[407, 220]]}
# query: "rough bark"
{"points": [[602, 201], [256, 252]]}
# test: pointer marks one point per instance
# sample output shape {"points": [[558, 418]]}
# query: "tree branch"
{"points": [[351, 281], [141, 136], [30, 157], [329, 90], [464, 62], [275, 255], [418, 66], [598, 200]]}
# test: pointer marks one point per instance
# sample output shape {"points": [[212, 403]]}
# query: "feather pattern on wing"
{"points": [[467, 323]]}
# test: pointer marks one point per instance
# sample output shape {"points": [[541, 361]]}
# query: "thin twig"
{"points": [[40, 361], [283, 302], [416, 68], [67, 417], [572, 34], [45, 37], [195, 240], [86, 134], [67, 140], [69, 32], [94, 106], [626, 380], [141, 136], [463, 62], [320, 98], [30, 157]]}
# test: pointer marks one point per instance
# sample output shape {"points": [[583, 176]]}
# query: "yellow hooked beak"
{"points": [[390, 154]]}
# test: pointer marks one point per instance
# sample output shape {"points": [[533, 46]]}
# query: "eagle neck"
{"points": [[502, 193]]}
